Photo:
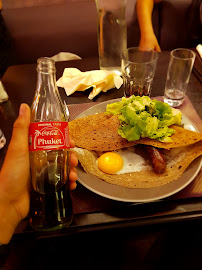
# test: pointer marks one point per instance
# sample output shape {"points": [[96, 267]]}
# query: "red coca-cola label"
{"points": [[48, 136]]}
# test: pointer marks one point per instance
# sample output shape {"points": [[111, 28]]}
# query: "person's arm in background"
{"points": [[144, 14], [14, 177]]}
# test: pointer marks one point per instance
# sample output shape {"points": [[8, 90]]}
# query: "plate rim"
{"points": [[197, 160]]}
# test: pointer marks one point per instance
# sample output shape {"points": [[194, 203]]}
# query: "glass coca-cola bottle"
{"points": [[50, 206]]}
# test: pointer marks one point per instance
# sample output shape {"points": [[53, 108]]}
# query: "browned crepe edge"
{"points": [[99, 133], [176, 165]]}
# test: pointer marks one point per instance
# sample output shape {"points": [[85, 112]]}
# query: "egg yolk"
{"points": [[110, 162]]}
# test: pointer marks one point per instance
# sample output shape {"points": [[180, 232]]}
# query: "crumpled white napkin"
{"points": [[65, 56], [100, 80]]}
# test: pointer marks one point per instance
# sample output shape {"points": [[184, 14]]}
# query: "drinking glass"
{"points": [[2, 139], [178, 74], [138, 70], [112, 33]]}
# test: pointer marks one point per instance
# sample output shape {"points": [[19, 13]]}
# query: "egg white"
{"points": [[132, 162]]}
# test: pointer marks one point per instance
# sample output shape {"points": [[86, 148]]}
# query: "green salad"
{"points": [[142, 117]]}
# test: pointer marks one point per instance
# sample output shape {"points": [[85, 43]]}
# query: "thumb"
{"points": [[18, 146]]}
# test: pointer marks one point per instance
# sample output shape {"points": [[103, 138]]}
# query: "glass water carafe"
{"points": [[112, 33]]}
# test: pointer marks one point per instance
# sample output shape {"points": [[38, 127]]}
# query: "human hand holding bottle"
{"points": [[14, 177]]}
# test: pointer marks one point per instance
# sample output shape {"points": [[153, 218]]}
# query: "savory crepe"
{"points": [[177, 160], [99, 132], [96, 134]]}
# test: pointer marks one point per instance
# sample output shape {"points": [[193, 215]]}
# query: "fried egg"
{"points": [[121, 161]]}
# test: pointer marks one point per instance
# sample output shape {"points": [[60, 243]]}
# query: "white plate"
{"points": [[119, 193]]}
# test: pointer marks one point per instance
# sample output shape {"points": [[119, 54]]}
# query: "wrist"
{"points": [[9, 221], [147, 31]]}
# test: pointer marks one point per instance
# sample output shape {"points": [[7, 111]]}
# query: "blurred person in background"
{"points": [[193, 24], [144, 14], [7, 53], [14, 177]]}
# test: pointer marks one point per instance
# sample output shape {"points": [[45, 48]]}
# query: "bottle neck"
{"points": [[47, 104], [46, 83], [46, 79]]}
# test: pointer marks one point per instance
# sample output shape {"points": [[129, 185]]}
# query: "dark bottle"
{"points": [[50, 206]]}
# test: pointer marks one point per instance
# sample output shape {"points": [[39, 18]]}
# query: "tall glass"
{"points": [[112, 33], [179, 71]]}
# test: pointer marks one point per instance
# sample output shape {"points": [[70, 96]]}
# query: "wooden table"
{"points": [[113, 221]]}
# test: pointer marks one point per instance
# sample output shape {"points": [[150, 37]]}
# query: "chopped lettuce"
{"points": [[143, 117]]}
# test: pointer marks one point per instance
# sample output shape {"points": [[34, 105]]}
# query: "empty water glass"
{"points": [[179, 71]]}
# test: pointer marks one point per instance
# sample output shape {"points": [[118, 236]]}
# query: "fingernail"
{"points": [[22, 109]]}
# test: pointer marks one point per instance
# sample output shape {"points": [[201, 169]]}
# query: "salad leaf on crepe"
{"points": [[141, 117]]}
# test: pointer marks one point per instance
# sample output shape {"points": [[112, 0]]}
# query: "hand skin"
{"points": [[15, 180], [144, 14]]}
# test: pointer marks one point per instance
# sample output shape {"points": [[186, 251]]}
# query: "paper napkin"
{"points": [[65, 56], [74, 80]]}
